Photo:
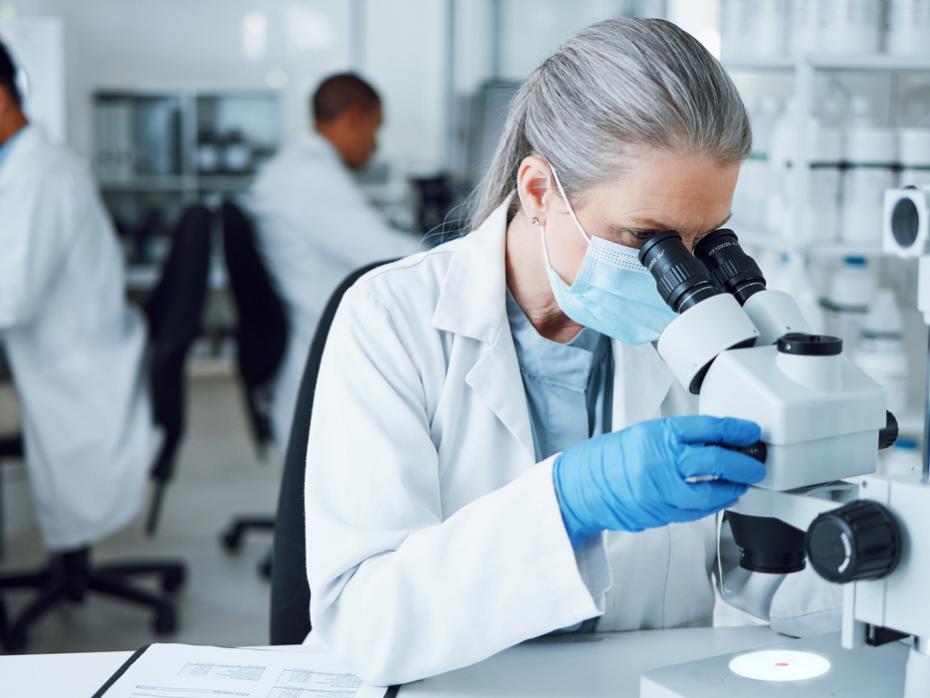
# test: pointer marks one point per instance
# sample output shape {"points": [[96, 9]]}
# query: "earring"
{"points": [[534, 220]]}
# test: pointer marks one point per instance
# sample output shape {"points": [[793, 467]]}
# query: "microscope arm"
{"points": [[799, 604], [798, 507]]}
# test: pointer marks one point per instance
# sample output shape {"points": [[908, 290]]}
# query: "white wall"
{"points": [[38, 48], [405, 57], [180, 43], [187, 43]]}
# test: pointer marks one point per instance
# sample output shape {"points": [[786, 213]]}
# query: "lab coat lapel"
{"points": [[497, 381], [641, 383], [473, 303]]}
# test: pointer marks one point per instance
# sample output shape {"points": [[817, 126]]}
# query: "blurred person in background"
{"points": [[314, 225], [75, 346]]}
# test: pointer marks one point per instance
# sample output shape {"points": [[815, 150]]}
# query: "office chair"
{"points": [[290, 591], [261, 339], [174, 314]]}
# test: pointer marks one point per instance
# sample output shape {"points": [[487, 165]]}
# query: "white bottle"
{"points": [[908, 27], [846, 303], [801, 39], [795, 277], [824, 195], [881, 350], [901, 459], [781, 155], [914, 155], [752, 186], [754, 29], [849, 26], [871, 168]]}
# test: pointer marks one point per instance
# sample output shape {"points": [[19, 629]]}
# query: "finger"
{"points": [[704, 429], [709, 497], [722, 463]]}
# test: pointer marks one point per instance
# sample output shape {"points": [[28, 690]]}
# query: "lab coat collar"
{"points": [[473, 297], [20, 153], [472, 303], [641, 383], [316, 145]]}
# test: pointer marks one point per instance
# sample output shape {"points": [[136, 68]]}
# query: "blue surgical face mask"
{"points": [[613, 292]]}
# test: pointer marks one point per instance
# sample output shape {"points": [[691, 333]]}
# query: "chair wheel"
{"points": [[264, 569], [166, 622], [173, 580], [231, 540]]}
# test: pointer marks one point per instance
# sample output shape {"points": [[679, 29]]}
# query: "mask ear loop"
{"points": [[571, 211]]}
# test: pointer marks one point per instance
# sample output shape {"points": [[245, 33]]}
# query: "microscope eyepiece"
{"points": [[733, 270], [681, 278]]}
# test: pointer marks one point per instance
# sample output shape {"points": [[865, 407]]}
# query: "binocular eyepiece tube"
{"points": [[719, 265]]}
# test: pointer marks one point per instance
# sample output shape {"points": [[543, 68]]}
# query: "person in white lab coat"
{"points": [[314, 224], [485, 462], [74, 345]]}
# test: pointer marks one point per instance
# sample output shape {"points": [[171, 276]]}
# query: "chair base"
{"points": [[231, 538], [70, 577]]}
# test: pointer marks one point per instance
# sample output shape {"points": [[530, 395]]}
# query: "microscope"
{"points": [[746, 351]]}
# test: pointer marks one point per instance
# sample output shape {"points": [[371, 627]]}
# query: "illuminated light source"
{"points": [[254, 35], [779, 665]]}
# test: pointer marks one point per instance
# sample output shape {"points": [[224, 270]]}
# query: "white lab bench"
{"points": [[603, 664]]}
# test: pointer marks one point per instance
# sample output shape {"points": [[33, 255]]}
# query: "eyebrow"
{"points": [[650, 224]]}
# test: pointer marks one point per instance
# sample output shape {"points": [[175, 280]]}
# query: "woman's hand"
{"points": [[636, 478]]}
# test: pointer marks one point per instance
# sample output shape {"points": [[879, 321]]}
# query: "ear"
{"points": [[535, 187]]}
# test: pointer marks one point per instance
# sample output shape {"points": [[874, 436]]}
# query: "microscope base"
{"points": [[917, 681], [862, 673]]}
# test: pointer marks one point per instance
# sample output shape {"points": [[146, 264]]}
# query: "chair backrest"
{"points": [[174, 310], [261, 325], [290, 592]]}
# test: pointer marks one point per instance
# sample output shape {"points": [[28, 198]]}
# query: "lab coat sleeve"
{"points": [[799, 604], [371, 238], [399, 590], [34, 235]]}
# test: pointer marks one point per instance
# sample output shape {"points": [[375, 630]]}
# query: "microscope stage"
{"points": [[866, 672]]}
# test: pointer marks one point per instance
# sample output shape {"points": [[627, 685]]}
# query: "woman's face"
{"points": [[690, 194]]}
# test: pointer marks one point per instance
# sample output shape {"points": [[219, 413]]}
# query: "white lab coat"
{"points": [[75, 347], [433, 539], [314, 228]]}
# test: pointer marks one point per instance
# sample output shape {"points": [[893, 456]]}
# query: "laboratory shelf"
{"points": [[773, 241], [876, 62], [840, 249], [761, 239], [834, 62], [165, 183], [760, 65]]}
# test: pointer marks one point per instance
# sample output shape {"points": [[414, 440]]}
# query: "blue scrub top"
{"points": [[568, 386]]}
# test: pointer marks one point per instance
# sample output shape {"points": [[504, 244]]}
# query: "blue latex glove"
{"points": [[634, 479]]}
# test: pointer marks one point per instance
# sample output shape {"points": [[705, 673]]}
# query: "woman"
{"points": [[487, 465]]}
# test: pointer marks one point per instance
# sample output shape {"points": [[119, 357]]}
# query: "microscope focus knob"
{"points": [[858, 541]]}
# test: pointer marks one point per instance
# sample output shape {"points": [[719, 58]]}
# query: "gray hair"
{"points": [[615, 85]]}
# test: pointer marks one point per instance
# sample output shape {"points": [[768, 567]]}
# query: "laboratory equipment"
{"points": [[881, 349], [914, 155], [849, 26], [754, 29], [846, 302], [865, 536], [908, 27], [871, 168]]}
